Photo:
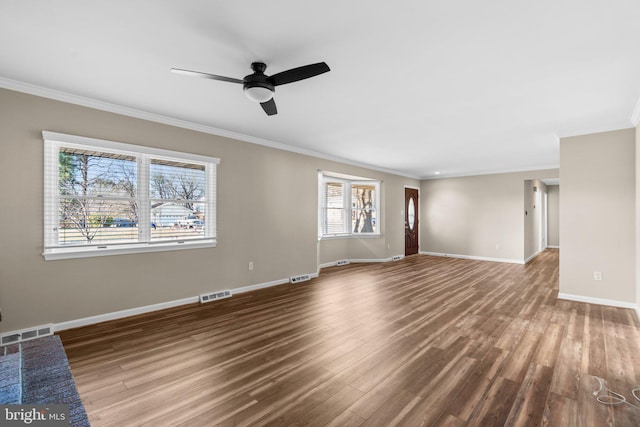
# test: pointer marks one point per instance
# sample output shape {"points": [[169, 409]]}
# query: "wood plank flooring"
{"points": [[422, 341]]}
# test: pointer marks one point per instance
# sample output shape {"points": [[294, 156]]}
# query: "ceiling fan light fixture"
{"points": [[258, 93]]}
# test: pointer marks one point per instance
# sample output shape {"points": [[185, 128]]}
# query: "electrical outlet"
{"points": [[250, 265], [597, 275]]}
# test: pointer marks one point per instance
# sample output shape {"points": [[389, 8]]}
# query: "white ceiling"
{"points": [[460, 87]]}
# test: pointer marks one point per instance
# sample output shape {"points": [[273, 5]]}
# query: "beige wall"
{"points": [[597, 215], [478, 216], [637, 258], [267, 213], [553, 210]]}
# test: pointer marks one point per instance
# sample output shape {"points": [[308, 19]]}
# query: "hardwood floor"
{"points": [[422, 341]]}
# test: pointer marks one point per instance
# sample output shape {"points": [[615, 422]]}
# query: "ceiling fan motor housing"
{"points": [[258, 80]]}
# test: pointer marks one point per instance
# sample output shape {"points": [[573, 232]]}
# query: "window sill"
{"points": [[350, 236], [95, 251]]}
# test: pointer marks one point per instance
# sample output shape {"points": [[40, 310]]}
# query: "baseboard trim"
{"points": [[476, 258], [267, 284], [526, 261], [328, 264], [91, 320], [553, 247], [370, 260], [122, 313], [356, 260], [260, 286], [600, 301]]}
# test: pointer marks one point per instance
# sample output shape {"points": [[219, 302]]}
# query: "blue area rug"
{"points": [[10, 382], [40, 374]]}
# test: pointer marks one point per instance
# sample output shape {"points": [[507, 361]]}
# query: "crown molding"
{"points": [[57, 95], [610, 127], [491, 172], [635, 117]]}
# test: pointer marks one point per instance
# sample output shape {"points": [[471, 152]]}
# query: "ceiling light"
{"points": [[258, 93], [436, 173]]}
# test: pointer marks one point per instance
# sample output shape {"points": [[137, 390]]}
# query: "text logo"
{"points": [[34, 415]]}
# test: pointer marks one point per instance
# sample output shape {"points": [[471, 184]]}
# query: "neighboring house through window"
{"points": [[104, 198]]}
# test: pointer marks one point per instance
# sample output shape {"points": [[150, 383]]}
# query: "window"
{"points": [[105, 198], [348, 206]]}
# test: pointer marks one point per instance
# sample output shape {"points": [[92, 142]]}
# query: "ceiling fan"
{"points": [[258, 86]]}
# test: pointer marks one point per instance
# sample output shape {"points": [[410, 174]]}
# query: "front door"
{"points": [[410, 221]]}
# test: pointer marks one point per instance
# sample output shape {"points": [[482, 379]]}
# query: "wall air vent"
{"points": [[342, 262], [301, 278], [26, 334], [214, 296], [10, 339]]}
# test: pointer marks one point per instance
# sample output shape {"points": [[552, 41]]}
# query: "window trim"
{"points": [[54, 140], [348, 181]]}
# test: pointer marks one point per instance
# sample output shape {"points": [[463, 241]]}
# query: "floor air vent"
{"points": [[343, 262], [26, 334], [214, 296], [301, 278]]}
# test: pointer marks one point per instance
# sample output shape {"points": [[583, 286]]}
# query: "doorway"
{"points": [[410, 221]]}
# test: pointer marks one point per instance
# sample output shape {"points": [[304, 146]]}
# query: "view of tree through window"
{"points": [[96, 191], [109, 196], [363, 208]]}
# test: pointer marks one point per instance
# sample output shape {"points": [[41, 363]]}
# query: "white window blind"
{"points": [[335, 210], [104, 197]]}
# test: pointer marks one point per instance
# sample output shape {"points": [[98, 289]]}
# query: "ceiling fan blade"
{"points": [[269, 107], [300, 73], [205, 75]]}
